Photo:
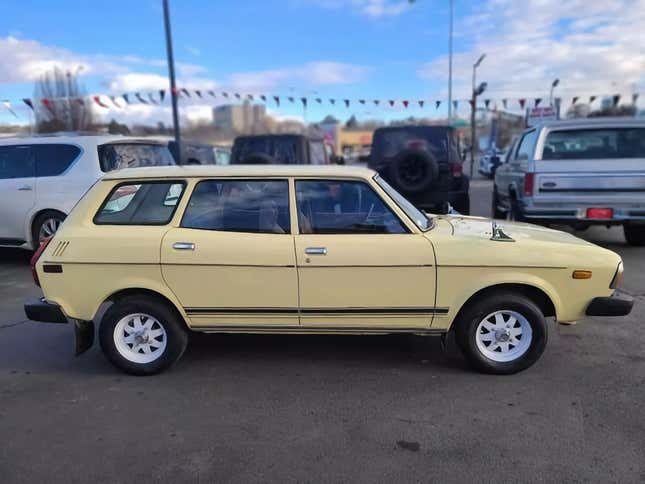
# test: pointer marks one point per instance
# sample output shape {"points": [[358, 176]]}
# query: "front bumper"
{"points": [[614, 305], [46, 312]]}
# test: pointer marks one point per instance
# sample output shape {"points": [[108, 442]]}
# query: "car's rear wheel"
{"points": [[141, 335], [46, 225], [634, 234], [502, 334]]}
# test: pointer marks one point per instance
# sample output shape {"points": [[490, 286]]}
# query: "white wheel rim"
{"points": [[140, 338], [48, 228], [504, 336]]}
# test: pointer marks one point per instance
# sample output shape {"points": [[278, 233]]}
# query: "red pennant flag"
{"points": [[97, 100], [405, 104], [574, 100], [48, 104], [421, 103], [522, 102], [391, 101]]}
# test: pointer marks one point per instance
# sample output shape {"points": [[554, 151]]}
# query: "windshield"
{"points": [[115, 156], [419, 218]]}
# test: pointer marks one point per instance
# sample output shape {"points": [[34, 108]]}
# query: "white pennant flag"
{"points": [[7, 105]]}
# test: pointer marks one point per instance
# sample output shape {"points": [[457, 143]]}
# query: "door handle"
{"points": [[183, 246], [26, 188], [316, 251]]}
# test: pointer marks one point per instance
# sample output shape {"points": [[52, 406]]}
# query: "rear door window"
{"points": [[115, 156], [17, 161], [590, 144], [254, 206], [54, 159], [140, 203]]}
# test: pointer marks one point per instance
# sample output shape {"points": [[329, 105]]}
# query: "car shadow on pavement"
{"points": [[329, 350], [14, 256]]}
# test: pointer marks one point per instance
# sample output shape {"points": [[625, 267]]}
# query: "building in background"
{"points": [[239, 118]]}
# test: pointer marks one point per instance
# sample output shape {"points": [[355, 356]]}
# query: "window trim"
{"points": [[289, 230], [351, 180], [141, 182]]}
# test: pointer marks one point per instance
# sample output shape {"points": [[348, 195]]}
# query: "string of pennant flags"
{"points": [[158, 97]]}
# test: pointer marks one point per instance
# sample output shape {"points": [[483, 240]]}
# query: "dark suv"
{"points": [[423, 163], [280, 149]]}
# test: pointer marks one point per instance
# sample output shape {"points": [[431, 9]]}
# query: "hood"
{"points": [[481, 227]]}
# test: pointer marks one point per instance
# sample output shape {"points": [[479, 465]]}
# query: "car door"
{"points": [[17, 194], [359, 265], [231, 262]]}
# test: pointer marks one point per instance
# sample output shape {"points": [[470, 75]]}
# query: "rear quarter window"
{"points": [[54, 159], [140, 203]]}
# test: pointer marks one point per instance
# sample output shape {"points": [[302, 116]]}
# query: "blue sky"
{"points": [[384, 49]]}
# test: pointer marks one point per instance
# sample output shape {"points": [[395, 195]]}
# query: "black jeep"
{"points": [[280, 149], [423, 163]]}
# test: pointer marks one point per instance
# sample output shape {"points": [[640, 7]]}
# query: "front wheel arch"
{"points": [[535, 294]]}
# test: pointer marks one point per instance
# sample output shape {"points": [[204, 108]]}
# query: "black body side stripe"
{"points": [[341, 311]]}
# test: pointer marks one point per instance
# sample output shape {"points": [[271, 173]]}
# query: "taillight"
{"points": [[601, 213], [529, 183], [36, 256], [457, 169], [617, 281]]}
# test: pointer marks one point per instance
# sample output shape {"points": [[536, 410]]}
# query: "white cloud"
{"points": [[592, 46], [369, 8], [310, 74]]}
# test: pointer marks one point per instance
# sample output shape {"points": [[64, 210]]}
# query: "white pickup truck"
{"points": [[578, 172]]}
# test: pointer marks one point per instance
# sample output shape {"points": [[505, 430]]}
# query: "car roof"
{"points": [[237, 171], [73, 138], [599, 122]]}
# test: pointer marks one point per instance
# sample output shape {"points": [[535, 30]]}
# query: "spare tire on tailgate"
{"points": [[258, 159], [414, 170]]}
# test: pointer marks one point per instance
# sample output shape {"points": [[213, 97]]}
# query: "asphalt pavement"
{"points": [[324, 408]]}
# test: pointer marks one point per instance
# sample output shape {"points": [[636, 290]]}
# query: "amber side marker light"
{"points": [[581, 274]]}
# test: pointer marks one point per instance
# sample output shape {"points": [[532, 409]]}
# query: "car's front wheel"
{"points": [[141, 335], [502, 334]]}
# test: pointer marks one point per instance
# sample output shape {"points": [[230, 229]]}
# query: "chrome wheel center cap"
{"points": [[503, 335], [140, 338]]}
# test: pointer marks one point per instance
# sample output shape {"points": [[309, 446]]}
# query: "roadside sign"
{"points": [[541, 115]]}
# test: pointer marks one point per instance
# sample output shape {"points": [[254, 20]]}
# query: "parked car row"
{"points": [[577, 173]]}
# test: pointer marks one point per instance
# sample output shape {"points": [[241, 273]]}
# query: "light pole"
{"points": [[554, 84], [473, 104], [173, 87]]}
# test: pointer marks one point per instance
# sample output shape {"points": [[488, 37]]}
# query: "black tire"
{"points": [[176, 334], [514, 213], [414, 171], [469, 320], [43, 220], [634, 234], [497, 213], [258, 159], [462, 204]]}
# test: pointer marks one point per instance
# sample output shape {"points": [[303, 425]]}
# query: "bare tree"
{"points": [[59, 103]]}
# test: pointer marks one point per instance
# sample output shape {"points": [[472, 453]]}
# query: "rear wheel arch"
{"points": [[535, 294], [36, 216], [142, 292]]}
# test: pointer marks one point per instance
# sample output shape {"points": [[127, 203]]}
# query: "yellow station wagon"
{"points": [[159, 252]]}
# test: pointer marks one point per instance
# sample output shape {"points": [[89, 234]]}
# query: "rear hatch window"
{"points": [[593, 144], [115, 156], [389, 143]]}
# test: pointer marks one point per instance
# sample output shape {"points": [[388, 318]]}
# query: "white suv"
{"points": [[42, 178]]}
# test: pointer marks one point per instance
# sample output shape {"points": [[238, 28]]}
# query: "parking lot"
{"points": [[324, 408]]}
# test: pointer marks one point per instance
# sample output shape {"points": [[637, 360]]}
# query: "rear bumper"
{"points": [[567, 212], [610, 306], [45, 312]]}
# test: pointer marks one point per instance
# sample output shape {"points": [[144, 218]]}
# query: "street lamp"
{"points": [[171, 75], [473, 104], [554, 84]]}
